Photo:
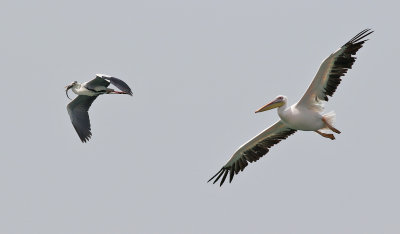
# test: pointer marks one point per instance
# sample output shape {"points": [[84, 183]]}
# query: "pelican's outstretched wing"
{"points": [[105, 80], [78, 113], [332, 68], [253, 150]]}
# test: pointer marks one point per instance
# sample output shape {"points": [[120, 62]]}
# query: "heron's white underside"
{"points": [[80, 89], [88, 92]]}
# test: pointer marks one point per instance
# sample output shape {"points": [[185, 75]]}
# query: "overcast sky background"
{"points": [[199, 70]]}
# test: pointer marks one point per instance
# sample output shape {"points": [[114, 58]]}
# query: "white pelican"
{"points": [[88, 92], [304, 115]]}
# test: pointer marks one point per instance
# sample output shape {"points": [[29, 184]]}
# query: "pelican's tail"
{"points": [[330, 118]]}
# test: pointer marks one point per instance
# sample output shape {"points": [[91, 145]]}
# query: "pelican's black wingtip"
{"points": [[361, 35], [218, 175], [224, 174]]}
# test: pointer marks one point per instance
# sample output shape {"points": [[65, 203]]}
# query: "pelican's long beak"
{"points": [[274, 104], [67, 88]]}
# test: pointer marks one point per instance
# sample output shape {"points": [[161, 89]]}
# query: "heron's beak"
{"points": [[66, 90], [274, 104]]}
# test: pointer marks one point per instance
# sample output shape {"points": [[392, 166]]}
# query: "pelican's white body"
{"points": [[301, 118], [305, 115]]}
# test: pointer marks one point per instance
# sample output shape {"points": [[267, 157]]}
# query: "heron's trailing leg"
{"points": [[111, 91], [117, 92], [330, 126], [330, 136]]}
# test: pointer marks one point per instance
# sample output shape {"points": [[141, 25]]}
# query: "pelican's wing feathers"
{"points": [[78, 113], [331, 70], [253, 150]]}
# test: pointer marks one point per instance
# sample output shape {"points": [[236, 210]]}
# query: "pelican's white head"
{"points": [[277, 102], [73, 84]]}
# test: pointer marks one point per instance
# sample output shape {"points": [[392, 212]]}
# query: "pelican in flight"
{"points": [[305, 115], [87, 92]]}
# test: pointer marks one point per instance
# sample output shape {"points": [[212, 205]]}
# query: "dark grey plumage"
{"points": [[104, 80], [78, 113], [87, 93]]}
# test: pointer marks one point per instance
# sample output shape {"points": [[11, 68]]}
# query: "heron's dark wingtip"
{"points": [[85, 139]]}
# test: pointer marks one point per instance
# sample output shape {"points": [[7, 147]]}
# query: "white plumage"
{"points": [[305, 115]]}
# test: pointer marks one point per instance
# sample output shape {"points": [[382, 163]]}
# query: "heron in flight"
{"points": [[87, 92], [305, 115]]}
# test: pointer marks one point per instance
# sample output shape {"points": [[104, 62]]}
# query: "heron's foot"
{"points": [[326, 135], [331, 127]]}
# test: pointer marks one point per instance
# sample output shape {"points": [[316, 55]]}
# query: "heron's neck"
{"points": [[76, 87]]}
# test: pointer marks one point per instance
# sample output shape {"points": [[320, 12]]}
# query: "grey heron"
{"points": [[87, 92], [305, 115]]}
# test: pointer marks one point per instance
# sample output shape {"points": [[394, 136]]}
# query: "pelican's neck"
{"points": [[282, 110]]}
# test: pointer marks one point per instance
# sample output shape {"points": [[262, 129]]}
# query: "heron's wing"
{"points": [[253, 150], [97, 84], [121, 85], [332, 68], [78, 113]]}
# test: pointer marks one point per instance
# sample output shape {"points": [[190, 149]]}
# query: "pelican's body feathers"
{"points": [[305, 115]]}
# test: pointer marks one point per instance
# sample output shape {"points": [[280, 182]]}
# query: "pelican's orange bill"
{"points": [[274, 104]]}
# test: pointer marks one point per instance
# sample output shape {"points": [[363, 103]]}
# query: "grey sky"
{"points": [[199, 70]]}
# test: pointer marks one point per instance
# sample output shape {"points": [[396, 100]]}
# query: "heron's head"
{"points": [[68, 87], [277, 102]]}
